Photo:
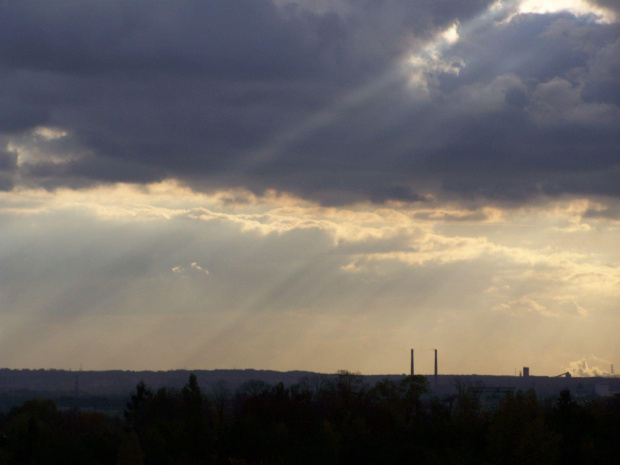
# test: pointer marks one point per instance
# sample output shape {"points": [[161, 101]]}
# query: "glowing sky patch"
{"points": [[352, 262], [451, 35], [425, 62], [577, 7]]}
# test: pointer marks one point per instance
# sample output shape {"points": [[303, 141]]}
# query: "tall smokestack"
{"points": [[412, 372], [435, 367]]}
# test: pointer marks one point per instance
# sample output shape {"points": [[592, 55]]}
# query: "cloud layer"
{"points": [[355, 101], [310, 185], [162, 278]]}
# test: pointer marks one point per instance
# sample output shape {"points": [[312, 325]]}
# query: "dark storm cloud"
{"points": [[250, 93], [8, 169], [226, 38]]}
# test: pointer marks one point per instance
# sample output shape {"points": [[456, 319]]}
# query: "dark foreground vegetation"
{"points": [[320, 420]]}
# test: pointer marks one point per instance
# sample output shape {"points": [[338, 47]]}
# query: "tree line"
{"points": [[335, 419]]}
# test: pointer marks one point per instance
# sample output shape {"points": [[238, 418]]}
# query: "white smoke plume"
{"points": [[581, 368]]}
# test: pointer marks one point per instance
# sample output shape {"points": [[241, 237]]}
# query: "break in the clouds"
{"points": [[312, 185], [161, 278], [333, 101]]}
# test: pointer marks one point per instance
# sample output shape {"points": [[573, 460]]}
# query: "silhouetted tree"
{"points": [[134, 411], [519, 433], [196, 435], [37, 433], [221, 396], [130, 452]]}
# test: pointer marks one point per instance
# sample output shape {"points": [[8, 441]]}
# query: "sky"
{"points": [[313, 185]]}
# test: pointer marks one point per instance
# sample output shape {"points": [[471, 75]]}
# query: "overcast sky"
{"points": [[313, 185]]}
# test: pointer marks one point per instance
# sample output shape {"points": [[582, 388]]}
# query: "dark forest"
{"points": [[318, 420]]}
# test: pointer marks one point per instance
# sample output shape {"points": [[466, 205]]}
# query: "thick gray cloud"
{"points": [[323, 103], [8, 169]]}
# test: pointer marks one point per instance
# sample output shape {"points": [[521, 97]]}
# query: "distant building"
{"points": [[604, 390], [490, 397]]}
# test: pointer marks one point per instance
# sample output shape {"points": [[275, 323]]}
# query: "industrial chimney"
{"points": [[412, 372], [435, 367]]}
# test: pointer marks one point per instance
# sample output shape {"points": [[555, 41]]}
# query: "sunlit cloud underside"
{"points": [[169, 278]]}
